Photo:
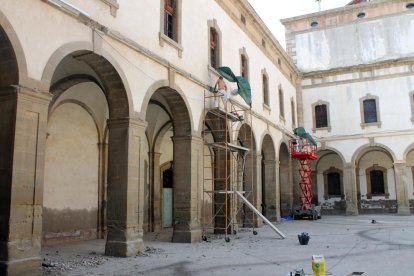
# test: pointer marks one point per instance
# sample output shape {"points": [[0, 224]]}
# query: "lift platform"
{"points": [[303, 148]]}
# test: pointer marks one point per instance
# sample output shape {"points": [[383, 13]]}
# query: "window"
{"points": [[169, 18], [410, 5], [376, 181], [213, 48], [265, 82], [369, 111], [292, 108], [334, 184], [244, 64], [281, 103], [321, 116], [170, 25]]}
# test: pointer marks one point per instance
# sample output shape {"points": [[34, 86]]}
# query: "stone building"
{"points": [[356, 95], [102, 104], [102, 108]]}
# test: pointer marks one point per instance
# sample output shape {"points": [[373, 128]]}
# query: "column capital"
{"points": [[126, 122], [349, 166], [193, 138]]}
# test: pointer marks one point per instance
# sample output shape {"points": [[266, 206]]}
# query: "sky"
{"points": [[271, 11]]}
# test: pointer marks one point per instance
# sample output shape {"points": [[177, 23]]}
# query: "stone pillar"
{"points": [[400, 171], [156, 192], [277, 183], [257, 188], [188, 174], [269, 179], [23, 127], [350, 190], [293, 180], [125, 187]]}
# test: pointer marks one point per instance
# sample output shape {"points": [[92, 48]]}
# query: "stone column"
{"points": [[125, 187], [269, 179], [257, 190], [188, 174], [400, 171], [350, 190], [23, 127], [156, 192], [293, 180], [277, 183]]}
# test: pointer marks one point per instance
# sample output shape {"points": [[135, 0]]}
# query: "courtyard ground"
{"points": [[350, 245]]}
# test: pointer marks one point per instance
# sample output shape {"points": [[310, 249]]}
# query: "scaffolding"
{"points": [[224, 166]]}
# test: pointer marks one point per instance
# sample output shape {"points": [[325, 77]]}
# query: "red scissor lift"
{"points": [[302, 149]]}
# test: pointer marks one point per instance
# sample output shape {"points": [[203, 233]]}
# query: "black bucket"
{"points": [[303, 238]]}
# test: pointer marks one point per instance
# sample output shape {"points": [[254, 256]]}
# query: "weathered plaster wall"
{"points": [[71, 175]]}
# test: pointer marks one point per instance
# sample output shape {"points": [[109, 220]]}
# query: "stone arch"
{"points": [[185, 151], [330, 164], [409, 160], [363, 149], [13, 55], [107, 69], [86, 108], [246, 138], [367, 158], [408, 150], [270, 202], [73, 64], [178, 96]]}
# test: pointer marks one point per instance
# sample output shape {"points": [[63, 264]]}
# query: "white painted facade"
{"points": [[344, 60]]}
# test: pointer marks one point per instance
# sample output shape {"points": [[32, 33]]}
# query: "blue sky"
{"points": [[271, 11]]}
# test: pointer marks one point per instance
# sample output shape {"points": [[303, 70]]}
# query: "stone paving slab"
{"points": [[349, 245]]}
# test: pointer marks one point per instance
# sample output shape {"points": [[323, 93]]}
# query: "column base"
{"points": [[26, 267], [351, 210], [404, 211], [186, 236], [124, 249]]}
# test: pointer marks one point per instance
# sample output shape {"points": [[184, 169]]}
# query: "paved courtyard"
{"points": [[349, 245]]}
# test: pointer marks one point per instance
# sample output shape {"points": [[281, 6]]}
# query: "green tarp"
{"points": [[243, 85], [301, 132]]}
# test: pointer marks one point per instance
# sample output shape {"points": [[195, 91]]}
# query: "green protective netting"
{"points": [[301, 132], [243, 85]]}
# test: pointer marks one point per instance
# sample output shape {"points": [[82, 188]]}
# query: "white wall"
{"points": [[363, 42]]}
